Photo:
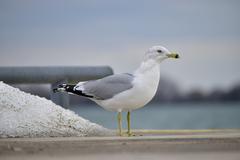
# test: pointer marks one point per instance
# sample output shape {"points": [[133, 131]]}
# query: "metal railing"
{"points": [[53, 75]]}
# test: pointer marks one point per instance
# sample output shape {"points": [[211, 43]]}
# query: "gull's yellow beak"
{"points": [[173, 55]]}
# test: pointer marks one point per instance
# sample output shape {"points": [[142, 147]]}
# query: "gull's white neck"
{"points": [[149, 73], [148, 67]]}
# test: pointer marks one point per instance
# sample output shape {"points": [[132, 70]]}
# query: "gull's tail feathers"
{"points": [[61, 88], [70, 88]]}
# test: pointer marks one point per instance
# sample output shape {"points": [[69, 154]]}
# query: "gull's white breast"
{"points": [[144, 88]]}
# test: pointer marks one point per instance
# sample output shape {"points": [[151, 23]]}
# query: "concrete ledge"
{"points": [[154, 143]]}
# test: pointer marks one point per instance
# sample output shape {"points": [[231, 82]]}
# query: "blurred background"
{"points": [[201, 90]]}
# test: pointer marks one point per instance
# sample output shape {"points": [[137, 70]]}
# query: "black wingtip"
{"points": [[55, 90], [62, 85], [58, 89]]}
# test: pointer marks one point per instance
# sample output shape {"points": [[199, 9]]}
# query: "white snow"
{"points": [[26, 115]]}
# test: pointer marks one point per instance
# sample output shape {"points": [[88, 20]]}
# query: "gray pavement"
{"points": [[154, 144]]}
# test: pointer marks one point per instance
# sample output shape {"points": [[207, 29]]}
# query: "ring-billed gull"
{"points": [[124, 92]]}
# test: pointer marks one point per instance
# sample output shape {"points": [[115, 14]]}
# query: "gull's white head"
{"points": [[159, 53]]}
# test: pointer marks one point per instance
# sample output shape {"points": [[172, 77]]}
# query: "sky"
{"points": [[205, 33]]}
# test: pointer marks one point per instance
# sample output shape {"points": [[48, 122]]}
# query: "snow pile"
{"points": [[26, 115]]}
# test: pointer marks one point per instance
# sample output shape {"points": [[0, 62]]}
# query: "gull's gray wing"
{"points": [[107, 87]]}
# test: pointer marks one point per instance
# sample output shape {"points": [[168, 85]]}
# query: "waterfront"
{"points": [[170, 116]]}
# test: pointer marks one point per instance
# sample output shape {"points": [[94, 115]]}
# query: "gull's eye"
{"points": [[159, 51]]}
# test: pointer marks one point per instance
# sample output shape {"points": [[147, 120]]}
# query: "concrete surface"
{"points": [[147, 144]]}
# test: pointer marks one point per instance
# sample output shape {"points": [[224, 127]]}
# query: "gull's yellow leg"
{"points": [[128, 123], [120, 123]]}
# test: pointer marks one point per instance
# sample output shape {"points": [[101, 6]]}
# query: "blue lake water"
{"points": [[169, 116]]}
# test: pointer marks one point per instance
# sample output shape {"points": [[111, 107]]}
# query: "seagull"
{"points": [[124, 92]]}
